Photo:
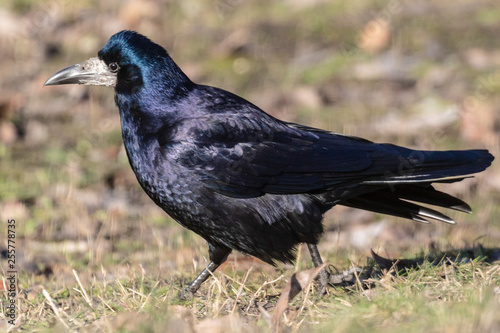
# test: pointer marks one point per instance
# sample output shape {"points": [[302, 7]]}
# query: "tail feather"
{"points": [[429, 195], [394, 203], [432, 166]]}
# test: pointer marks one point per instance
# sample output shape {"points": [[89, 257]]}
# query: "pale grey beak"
{"points": [[93, 72]]}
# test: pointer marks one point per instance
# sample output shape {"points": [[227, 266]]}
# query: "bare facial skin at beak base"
{"points": [[92, 72]]}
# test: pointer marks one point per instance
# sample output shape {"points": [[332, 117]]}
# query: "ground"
{"points": [[93, 253]]}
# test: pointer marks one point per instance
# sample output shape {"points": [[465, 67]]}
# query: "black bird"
{"points": [[244, 180]]}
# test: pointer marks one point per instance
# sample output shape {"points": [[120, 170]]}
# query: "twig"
{"points": [[54, 308], [104, 302], [124, 292], [260, 288], [85, 296], [241, 288], [136, 292]]}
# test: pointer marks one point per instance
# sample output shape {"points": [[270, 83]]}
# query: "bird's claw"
{"points": [[327, 278], [186, 294], [346, 277]]}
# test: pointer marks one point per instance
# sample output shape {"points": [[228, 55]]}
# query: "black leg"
{"points": [[315, 256], [218, 254], [324, 275]]}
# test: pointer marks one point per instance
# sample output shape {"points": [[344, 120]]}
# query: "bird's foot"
{"points": [[186, 294], [345, 277], [328, 278]]}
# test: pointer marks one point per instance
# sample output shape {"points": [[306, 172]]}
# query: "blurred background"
{"points": [[424, 74]]}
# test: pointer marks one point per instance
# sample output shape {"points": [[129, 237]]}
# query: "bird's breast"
{"points": [[163, 180]]}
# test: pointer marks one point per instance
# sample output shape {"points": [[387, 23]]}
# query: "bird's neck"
{"points": [[143, 116], [150, 109], [138, 129], [139, 116]]}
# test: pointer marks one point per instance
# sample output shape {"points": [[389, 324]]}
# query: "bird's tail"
{"points": [[402, 193], [416, 166]]}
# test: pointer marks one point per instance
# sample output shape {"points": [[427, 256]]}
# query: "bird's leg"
{"points": [[324, 275], [202, 277], [218, 254], [315, 256]]}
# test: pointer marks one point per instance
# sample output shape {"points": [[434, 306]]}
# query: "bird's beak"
{"points": [[93, 72]]}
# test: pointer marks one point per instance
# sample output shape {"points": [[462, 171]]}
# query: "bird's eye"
{"points": [[113, 67]]}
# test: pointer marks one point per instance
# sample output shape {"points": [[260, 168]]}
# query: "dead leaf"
{"points": [[232, 44], [308, 97], [482, 59], [375, 36], [14, 210], [124, 322], [8, 132], [479, 118], [182, 312], [229, 323], [135, 11], [298, 282]]}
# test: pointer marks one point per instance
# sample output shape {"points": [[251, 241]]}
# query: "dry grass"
{"points": [[451, 298]]}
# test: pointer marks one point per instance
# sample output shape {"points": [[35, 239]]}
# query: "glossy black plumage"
{"points": [[246, 181]]}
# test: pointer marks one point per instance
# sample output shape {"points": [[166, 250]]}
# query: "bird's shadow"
{"points": [[456, 256], [378, 266]]}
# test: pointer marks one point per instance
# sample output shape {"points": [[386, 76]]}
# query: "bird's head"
{"points": [[122, 63]]}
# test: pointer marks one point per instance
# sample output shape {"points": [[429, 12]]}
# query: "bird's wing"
{"points": [[245, 156]]}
